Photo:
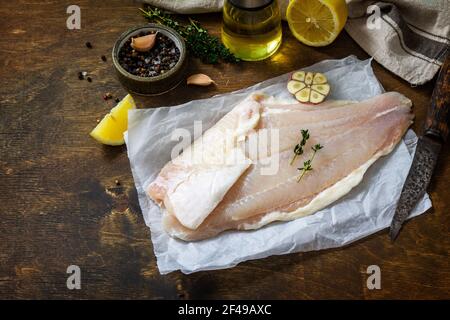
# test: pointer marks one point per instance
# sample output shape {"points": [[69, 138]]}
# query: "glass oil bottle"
{"points": [[251, 28]]}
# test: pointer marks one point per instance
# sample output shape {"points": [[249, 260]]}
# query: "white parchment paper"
{"points": [[368, 208]]}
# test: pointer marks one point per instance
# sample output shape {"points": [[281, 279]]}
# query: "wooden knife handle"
{"points": [[438, 117]]}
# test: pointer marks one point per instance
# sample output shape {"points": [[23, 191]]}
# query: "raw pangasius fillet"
{"points": [[219, 184]]}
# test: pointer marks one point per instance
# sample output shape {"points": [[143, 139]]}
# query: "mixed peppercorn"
{"points": [[162, 57]]}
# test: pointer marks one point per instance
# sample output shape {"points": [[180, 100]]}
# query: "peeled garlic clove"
{"points": [[303, 95], [200, 79], [145, 43], [316, 97], [321, 88], [299, 76], [319, 78], [294, 86]]}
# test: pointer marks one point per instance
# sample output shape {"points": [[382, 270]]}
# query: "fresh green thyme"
{"points": [[307, 164], [298, 149], [203, 45]]}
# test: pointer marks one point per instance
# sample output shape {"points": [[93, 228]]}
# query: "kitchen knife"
{"points": [[435, 132]]}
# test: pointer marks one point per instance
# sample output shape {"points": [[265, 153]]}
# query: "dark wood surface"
{"points": [[59, 204], [437, 121]]}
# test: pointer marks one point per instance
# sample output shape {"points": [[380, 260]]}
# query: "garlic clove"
{"points": [[303, 95], [309, 78], [145, 43], [294, 86], [200, 79], [299, 76], [316, 97], [321, 88], [319, 78]]}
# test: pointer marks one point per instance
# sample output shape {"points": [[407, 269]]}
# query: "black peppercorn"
{"points": [[89, 45]]}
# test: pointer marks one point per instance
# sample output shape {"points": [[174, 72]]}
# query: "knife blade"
{"points": [[427, 151], [417, 181]]}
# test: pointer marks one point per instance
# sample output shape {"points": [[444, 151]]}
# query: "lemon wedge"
{"points": [[316, 22], [113, 125]]}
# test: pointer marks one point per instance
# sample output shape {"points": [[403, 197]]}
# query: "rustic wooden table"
{"points": [[60, 206]]}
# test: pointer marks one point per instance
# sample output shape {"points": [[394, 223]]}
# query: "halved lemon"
{"points": [[316, 22], [113, 125]]}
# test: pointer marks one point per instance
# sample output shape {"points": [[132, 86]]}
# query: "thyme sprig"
{"points": [[307, 164], [202, 44], [298, 149]]}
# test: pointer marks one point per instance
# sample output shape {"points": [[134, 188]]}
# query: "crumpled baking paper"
{"points": [[368, 208]]}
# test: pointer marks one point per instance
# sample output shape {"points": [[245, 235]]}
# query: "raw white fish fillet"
{"points": [[217, 183], [192, 185]]}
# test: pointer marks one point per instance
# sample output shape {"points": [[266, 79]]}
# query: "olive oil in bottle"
{"points": [[251, 28]]}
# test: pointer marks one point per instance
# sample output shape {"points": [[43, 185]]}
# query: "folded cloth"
{"points": [[199, 6], [408, 37], [188, 6]]}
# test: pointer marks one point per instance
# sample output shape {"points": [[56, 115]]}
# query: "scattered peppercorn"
{"points": [[89, 79], [104, 58], [80, 75], [89, 45], [117, 100], [160, 59], [107, 96], [117, 182]]}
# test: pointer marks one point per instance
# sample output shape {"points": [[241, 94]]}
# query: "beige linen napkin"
{"points": [[408, 37], [188, 6]]}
